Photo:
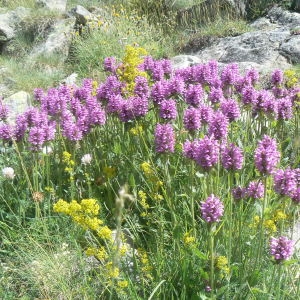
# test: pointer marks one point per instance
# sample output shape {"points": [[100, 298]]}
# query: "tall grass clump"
{"points": [[108, 35], [165, 184], [256, 9]]}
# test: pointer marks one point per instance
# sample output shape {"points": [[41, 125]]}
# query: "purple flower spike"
{"points": [[230, 74], [285, 182], [141, 88], [212, 209], [215, 95], [277, 77], [218, 127], [6, 132], [285, 108], [206, 152], [266, 156], [167, 109], [140, 106], [206, 113], [252, 76], [176, 86], [296, 196], [238, 193], [110, 64], [190, 149], [230, 109], [255, 190], [281, 248], [164, 138], [159, 91], [249, 95], [194, 94], [232, 157], [192, 119]]}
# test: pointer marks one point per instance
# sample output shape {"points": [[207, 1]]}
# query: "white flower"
{"points": [[8, 173], [47, 150], [86, 159]]}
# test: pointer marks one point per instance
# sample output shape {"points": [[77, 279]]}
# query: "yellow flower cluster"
{"points": [[270, 224], [85, 214], [112, 271], [291, 78], [67, 159], [129, 69], [153, 178], [137, 130], [146, 267], [122, 284], [222, 265], [143, 202], [188, 239], [100, 253]]}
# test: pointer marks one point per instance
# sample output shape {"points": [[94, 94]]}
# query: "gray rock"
{"points": [[272, 44], [58, 5], [291, 49], [58, 41], [9, 22], [70, 80], [82, 15], [184, 61], [263, 24], [283, 17], [17, 103]]}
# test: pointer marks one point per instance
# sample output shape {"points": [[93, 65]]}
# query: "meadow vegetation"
{"points": [[142, 182]]}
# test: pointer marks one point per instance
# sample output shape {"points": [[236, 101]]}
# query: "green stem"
{"points": [[278, 282], [212, 259]]}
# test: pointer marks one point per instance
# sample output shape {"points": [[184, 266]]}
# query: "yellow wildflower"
{"points": [[143, 200], [105, 233], [270, 226], [61, 206], [137, 130], [123, 284], [158, 197], [90, 206], [188, 239], [279, 215], [112, 271]]}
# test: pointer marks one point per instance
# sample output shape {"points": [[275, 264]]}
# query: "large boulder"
{"points": [[271, 44], [82, 14], [58, 41], [17, 104], [9, 23]]}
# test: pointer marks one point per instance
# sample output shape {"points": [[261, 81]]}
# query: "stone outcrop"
{"points": [[17, 103], [272, 43], [82, 15], [58, 41], [9, 23]]}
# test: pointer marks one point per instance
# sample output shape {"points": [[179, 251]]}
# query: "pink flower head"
{"points": [[212, 209]]}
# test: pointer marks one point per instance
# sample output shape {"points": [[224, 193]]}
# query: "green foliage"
{"points": [[258, 8], [108, 36], [158, 13], [16, 3], [197, 37], [43, 72]]}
